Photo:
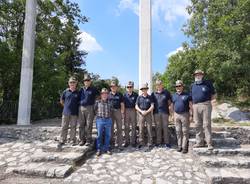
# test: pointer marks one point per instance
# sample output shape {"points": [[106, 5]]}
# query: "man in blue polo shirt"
{"points": [[202, 92], [145, 106], [130, 98], [182, 108], [117, 101], [86, 111], [69, 100], [162, 101]]}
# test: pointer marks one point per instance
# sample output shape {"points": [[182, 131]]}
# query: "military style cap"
{"points": [[179, 83], [104, 90], [72, 79], [113, 83], [130, 83], [198, 72], [86, 77], [158, 82], [144, 86]]}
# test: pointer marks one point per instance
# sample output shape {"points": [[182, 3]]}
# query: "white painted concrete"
{"points": [[24, 108], [145, 63]]}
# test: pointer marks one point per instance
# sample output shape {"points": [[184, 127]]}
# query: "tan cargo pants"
{"points": [[182, 129], [142, 121], [161, 123], [68, 121], [116, 116], [130, 120], [85, 120], [202, 119]]}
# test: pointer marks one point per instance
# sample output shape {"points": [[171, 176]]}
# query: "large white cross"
{"points": [[145, 61], [25, 96]]}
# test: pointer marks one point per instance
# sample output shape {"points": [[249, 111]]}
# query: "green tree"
{"points": [[220, 33], [57, 54]]}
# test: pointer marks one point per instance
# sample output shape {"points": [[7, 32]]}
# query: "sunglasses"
{"points": [[129, 87], [178, 86]]}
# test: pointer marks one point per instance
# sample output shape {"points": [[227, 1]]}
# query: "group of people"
{"points": [[111, 110]]}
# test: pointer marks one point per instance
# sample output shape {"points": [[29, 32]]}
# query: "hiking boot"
{"points": [[81, 143], [198, 145], [168, 146], [98, 153], [210, 147], [184, 151], [179, 149]]}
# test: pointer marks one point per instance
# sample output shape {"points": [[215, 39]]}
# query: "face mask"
{"points": [[198, 79]]}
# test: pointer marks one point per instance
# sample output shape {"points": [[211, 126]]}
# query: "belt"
{"points": [[99, 117]]}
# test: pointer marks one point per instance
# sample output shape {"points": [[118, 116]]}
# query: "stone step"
{"points": [[219, 162], [228, 175], [66, 148], [49, 170], [59, 157], [219, 134], [220, 142], [243, 151]]}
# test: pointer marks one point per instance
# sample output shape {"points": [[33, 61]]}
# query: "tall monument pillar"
{"points": [[25, 95], [145, 63]]}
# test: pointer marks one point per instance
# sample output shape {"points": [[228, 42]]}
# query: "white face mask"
{"points": [[198, 78]]}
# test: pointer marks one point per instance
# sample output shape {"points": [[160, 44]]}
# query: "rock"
{"points": [[227, 111]]}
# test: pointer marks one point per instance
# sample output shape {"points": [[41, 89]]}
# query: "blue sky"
{"points": [[111, 36]]}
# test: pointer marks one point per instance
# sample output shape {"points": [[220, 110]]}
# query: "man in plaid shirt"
{"points": [[103, 123]]}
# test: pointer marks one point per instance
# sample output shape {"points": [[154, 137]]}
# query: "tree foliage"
{"points": [[220, 33], [57, 54]]}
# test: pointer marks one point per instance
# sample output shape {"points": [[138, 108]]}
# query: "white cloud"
{"points": [[129, 4], [89, 43], [162, 10], [174, 52]]}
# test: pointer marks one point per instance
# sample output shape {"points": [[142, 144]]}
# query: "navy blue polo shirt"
{"points": [[71, 101], [130, 100], [116, 100], [202, 92], [88, 96], [161, 101], [181, 102], [144, 102]]}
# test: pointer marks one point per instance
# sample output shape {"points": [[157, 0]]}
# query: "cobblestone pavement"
{"points": [[160, 166], [129, 166]]}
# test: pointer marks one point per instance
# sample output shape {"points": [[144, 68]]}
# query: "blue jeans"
{"points": [[103, 126]]}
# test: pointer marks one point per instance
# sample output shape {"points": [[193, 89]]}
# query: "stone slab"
{"points": [[219, 161], [58, 157], [220, 142], [228, 175], [49, 170], [223, 151]]}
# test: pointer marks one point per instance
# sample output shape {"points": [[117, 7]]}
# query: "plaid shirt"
{"points": [[103, 109]]}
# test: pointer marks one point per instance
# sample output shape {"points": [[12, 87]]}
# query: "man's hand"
{"points": [[144, 113]]}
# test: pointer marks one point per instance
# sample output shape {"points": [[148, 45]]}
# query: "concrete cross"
{"points": [[25, 96], [145, 63]]}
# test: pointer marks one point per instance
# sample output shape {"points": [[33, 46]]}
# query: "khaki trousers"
{"points": [[68, 121], [202, 119], [130, 120], [182, 129], [86, 117], [161, 123], [116, 116], [147, 119]]}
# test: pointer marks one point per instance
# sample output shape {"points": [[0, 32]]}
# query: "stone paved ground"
{"points": [[159, 166], [156, 166]]}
